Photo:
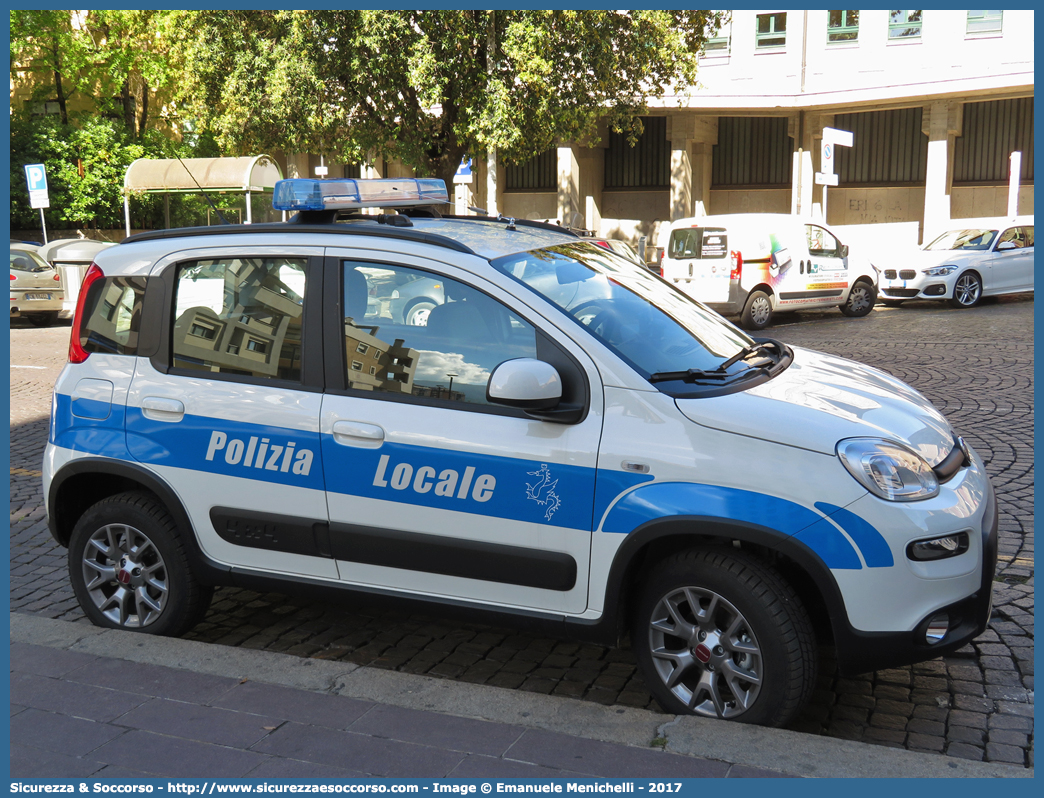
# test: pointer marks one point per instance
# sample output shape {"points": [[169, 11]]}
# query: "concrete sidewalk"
{"points": [[88, 702]]}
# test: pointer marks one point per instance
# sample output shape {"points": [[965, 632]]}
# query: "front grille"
{"points": [[907, 274], [900, 293], [889, 274]]}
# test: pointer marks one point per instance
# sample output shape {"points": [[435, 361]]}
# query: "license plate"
{"points": [[29, 295]]}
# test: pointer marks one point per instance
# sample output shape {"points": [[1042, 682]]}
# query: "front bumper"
{"points": [[862, 652], [933, 288]]}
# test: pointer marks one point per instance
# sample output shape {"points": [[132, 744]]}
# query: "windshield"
{"points": [[23, 260], [971, 239], [651, 325]]}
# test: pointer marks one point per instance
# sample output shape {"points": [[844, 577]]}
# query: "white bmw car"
{"points": [[965, 265]]}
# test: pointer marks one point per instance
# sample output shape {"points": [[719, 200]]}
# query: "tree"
{"points": [[47, 42], [429, 87], [115, 57]]}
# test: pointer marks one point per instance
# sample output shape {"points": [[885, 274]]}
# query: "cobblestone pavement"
{"points": [[976, 366]]}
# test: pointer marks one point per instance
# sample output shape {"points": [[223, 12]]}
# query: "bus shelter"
{"points": [[245, 175]]}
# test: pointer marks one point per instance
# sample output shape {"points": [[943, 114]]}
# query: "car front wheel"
{"points": [[722, 635], [129, 568], [860, 300], [967, 291]]}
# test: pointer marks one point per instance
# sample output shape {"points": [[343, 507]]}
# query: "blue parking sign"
{"points": [[36, 177]]}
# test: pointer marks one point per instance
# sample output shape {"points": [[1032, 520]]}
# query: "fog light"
{"points": [[938, 548], [938, 626], [935, 290]]}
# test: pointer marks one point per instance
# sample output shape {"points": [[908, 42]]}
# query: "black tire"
{"points": [[416, 314], [757, 618], [967, 290], [140, 541], [861, 300], [757, 311], [892, 303]]}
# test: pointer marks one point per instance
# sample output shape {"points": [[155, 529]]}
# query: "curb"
{"points": [[780, 750]]}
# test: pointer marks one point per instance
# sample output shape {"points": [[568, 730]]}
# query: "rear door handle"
{"points": [[358, 433], [160, 408]]}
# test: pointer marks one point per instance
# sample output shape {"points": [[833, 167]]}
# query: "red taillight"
{"points": [[77, 354], [57, 277], [737, 265], [659, 261], [13, 277]]}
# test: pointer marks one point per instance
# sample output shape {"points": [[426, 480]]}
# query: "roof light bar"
{"points": [[306, 194]]}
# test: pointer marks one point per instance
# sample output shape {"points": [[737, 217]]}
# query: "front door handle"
{"points": [[160, 408], [358, 433]]}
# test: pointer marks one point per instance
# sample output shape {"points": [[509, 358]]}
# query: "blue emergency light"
{"points": [[308, 194]]}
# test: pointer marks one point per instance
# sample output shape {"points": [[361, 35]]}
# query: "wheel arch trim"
{"points": [[61, 528], [700, 529]]}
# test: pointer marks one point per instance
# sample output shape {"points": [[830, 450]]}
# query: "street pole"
{"points": [[43, 225]]}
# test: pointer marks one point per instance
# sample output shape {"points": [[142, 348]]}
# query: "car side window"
{"points": [[1021, 237], [415, 333], [240, 316], [820, 242]]}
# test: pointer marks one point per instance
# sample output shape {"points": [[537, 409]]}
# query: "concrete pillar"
{"points": [[491, 182], [803, 129], [941, 122], [569, 208], [692, 146]]}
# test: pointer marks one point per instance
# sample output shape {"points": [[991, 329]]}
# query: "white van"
{"points": [[758, 264]]}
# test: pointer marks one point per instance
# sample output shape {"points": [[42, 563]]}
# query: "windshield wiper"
{"points": [[719, 372]]}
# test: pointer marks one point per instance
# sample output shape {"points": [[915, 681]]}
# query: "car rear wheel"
{"points": [[860, 300], [417, 313], [757, 311], [129, 568], [967, 291], [722, 635]]}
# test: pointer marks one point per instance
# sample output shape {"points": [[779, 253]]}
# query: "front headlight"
{"points": [[888, 469], [939, 271]]}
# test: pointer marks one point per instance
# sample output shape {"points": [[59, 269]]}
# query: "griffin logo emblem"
{"points": [[543, 491]]}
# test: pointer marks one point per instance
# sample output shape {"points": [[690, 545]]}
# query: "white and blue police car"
{"points": [[560, 437]]}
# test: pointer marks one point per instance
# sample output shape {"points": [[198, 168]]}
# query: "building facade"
{"points": [[936, 101]]}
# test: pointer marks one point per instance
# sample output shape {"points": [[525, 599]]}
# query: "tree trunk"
{"points": [[128, 107], [144, 108]]}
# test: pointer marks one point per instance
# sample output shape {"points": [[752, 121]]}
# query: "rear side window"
{"points": [[698, 242], [112, 315], [240, 316]]}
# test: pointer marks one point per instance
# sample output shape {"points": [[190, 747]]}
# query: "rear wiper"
{"points": [[717, 373]]}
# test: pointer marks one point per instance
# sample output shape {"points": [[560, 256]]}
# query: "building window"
{"points": [[752, 151], [993, 130], [772, 31], [356, 365], [362, 349], [985, 21], [890, 148], [717, 40], [904, 24], [254, 345], [201, 331], [539, 173], [645, 165], [842, 26]]}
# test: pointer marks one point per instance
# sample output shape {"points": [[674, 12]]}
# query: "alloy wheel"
{"points": [[705, 652], [125, 576]]}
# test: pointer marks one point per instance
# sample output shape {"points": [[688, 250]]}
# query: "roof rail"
{"points": [[357, 229]]}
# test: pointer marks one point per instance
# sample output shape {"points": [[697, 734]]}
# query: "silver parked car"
{"points": [[36, 286]]}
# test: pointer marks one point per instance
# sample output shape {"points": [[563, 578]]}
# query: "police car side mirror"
{"points": [[533, 386], [525, 383], [1004, 246]]}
